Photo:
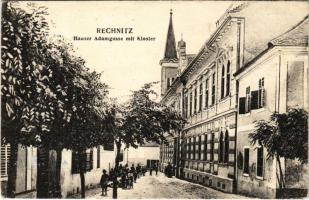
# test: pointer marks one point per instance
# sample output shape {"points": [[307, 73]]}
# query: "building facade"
{"points": [[275, 81], [203, 89]]}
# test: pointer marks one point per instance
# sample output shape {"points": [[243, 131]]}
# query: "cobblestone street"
{"points": [[163, 187]]}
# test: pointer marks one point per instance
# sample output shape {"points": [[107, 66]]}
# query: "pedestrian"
{"points": [[150, 170], [169, 170], [138, 170], [144, 170], [104, 182], [156, 169]]}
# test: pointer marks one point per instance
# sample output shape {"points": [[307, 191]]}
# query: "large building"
{"points": [[203, 89]]}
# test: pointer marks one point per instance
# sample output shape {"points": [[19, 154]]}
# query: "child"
{"points": [[104, 183]]}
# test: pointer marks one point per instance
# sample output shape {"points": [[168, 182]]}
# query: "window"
{"points": [[98, 157], [258, 96], [206, 93], [195, 100], [248, 100], [5, 157], [199, 147], [213, 91], [194, 148], [75, 163], [260, 162], [89, 160], [226, 147], [201, 98], [261, 93], [228, 78], [168, 83], [222, 81], [190, 104], [205, 147], [246, 160], [221, 147], [212, 146], [188, 148], [184, 105]]}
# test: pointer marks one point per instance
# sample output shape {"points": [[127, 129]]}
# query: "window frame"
{"points": [[244, 160], [257, 162]]}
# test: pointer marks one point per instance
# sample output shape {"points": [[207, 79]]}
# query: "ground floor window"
{"points": [[246, 160], [260, 162]]}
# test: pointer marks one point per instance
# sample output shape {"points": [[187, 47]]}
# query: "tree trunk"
{"points": [[42, 172], [81, 159], [58, 173], [115, 181], [281, 182], [11, 186]]}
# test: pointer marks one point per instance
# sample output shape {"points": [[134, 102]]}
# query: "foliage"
{"points": [[285, 135]]}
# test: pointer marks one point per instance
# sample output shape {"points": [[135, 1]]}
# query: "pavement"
{"points": [[153, 187]]}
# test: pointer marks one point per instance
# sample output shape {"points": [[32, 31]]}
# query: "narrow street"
{"points": [[163, 187]]}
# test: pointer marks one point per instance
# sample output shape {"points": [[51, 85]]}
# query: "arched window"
{"points": [[222, 82], [226, 147], [221, 147], [168, 83], [228, 78]]}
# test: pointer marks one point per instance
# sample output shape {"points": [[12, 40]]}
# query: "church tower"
{"points": [[169, 64]]}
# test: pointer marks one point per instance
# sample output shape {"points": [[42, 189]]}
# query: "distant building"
{"points": [[202, 89], [274, 81], [146, 155]]}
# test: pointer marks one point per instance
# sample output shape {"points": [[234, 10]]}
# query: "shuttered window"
{"points": [[248, 100], [5, 157], [261, 93], [242, 105], [212, 145], [221, 147], [254, 100]]}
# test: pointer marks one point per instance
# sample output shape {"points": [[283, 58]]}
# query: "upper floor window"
{"points": [[195, 100], [206, 92], [168, 83], [258, 96], [213, 91], [228, 78], [205, 146], [212, 145], [201, 98], [226, 147], [221, 148], [190, 104], [222, 81]]}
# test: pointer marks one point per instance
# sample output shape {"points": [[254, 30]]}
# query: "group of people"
{"points": [[127, 175]]}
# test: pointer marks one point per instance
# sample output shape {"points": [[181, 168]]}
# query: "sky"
{"points": [[127, 65]]}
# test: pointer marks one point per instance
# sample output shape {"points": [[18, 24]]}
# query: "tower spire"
{"points": [[170, 46]]}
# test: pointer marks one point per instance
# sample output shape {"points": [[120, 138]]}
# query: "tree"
{"points": [[285, 135], [21, 77], [142, 119]]}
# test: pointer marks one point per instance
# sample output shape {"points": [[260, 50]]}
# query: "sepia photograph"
{"points": [[154, 99]]}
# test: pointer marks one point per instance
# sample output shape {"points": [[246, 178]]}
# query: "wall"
{"points": [[70, 183], [141, 155]]}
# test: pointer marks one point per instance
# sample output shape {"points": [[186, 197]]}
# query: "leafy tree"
{"points": [[285, 135], [142, 119], [21, 78]]}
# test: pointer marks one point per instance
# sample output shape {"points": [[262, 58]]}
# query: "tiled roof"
{"points": [[296, 36]]}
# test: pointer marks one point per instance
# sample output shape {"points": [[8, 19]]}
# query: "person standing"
{"points": [[104, 182], [169, 170], [150, 170], [156, 169]]}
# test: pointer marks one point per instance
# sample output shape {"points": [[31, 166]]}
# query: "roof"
{"points": [[170, 46], [296, 36]]}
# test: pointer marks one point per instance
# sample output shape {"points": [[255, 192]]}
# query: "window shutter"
{"points": [[242, 105], [254, 99], [262, 98]]}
